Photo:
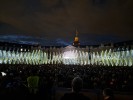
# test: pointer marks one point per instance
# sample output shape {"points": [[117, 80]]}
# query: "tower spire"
{"points": [[76, 39], [76, 32]]}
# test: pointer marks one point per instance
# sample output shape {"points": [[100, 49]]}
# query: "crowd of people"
{"points": [[50, 77]]}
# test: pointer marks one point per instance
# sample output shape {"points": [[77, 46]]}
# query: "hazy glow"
{"points": [[69, 55]]}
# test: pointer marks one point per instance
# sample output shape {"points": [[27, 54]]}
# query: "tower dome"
{"points": [[76, 39]]}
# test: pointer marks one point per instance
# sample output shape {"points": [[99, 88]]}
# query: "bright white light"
{"points": [[3, 73], [70, 58], [69, 55]]}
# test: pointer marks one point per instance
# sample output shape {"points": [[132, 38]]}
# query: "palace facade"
{"points": [[117, 54]]}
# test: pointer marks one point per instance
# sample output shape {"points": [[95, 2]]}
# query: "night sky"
{"points": [[53, 22]]}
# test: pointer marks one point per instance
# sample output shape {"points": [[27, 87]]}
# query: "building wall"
{"points": [[89, 55]]}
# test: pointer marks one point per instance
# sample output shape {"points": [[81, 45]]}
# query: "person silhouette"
{"points": [[33, 82], [77, 84]]}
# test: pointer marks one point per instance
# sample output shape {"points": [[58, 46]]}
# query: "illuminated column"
{"points": [[44, 57], [89, 59], [24, 57], [111, 58], [102, 57], [130, 58], [80, 57], [59, 57], [29, 57], [122, 58], [33, 57], [1, 57], [121, 61], [98, 58], [4, 56], [92, 58], [41, 57], [125, 59]]}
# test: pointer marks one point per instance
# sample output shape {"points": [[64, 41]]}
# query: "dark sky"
{"points": [[55, 21]]}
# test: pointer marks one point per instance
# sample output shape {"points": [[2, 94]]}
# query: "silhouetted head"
{"points": [[77, 84]]}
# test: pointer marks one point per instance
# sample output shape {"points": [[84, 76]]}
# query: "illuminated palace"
{"points": [[117, 54]]}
